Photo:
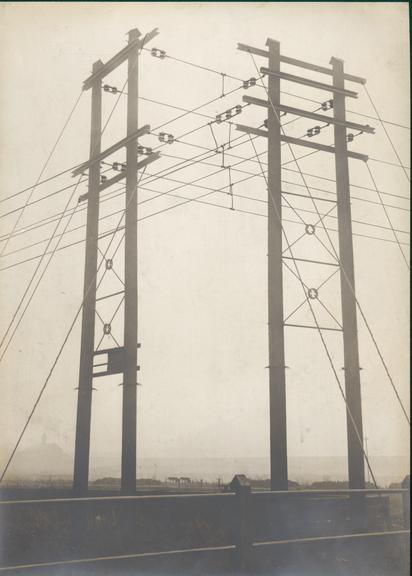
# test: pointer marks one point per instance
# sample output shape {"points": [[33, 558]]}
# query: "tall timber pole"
{"points": [[356, 468], [129, 423], [84, 404], [277, 384]]}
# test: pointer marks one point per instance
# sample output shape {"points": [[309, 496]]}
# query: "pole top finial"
{"points": [[335, 60], [97, 65], [270, 41], [134, 33]]}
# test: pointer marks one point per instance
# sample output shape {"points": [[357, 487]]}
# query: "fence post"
{"points": [[406, 502], [244, 543]]}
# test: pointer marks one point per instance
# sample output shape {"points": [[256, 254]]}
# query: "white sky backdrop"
{"points": [[202, 270]]}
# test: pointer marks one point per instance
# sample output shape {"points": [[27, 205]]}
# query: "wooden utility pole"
{"points": [[277, 391], [130, 296], [356, 467], [275, 136], [120, 359], [84, 404]]}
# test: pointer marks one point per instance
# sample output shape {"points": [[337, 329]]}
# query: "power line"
{"points": [[214, 71], [386, 132], [44, 166], [387, 215], [48, 220], [45, 250], [35, 287], [38, 184], [192, 183], [39, 396]]}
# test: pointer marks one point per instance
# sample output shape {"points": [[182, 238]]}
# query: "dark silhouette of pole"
{"points": [[129, 424], [84, 403], [277, 392], [347, 279]]}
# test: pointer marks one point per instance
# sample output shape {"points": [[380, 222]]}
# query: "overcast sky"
{"points": [[202, 270]]}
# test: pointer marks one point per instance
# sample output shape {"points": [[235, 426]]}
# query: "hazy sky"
{"points": [[202, 284]]}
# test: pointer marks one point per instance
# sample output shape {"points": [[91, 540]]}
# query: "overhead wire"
{"points": [[46, 163], [387, 133], [52, 253], [387, 215], [195, 65], [64, 342], [192, 183]]}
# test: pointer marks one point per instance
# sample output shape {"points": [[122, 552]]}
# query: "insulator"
{"points": [[123, 167], [349, 138], [106, 88], [103, 178], [162, 136], [149, 151], [249, 83], [327, 105], [238, 109], [170, 138], [228, 114], [265, 123], [310, 229], [140, 150], [313, 131], [313, 293], [109, 264], [107, 328], [115, 166], [158, 53], [219, 118]]}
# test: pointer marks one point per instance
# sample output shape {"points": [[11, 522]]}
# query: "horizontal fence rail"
{"points": [[239, 524]]}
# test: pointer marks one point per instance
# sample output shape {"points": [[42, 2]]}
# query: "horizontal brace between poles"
{"points": [[300, 142], [313, 327], [311, 261], [299, 63], [307, 114], [311, 197], [140, 132], [122, 175], [118, 59], [308, 82]]}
